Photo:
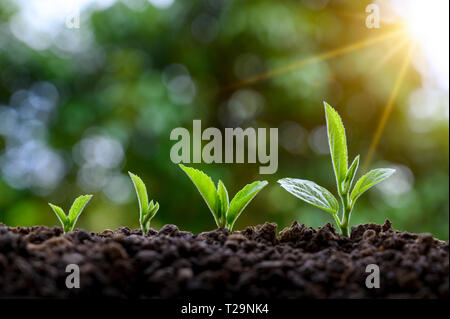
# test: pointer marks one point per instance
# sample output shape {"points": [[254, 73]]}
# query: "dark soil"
{"points": [[300, 262]]}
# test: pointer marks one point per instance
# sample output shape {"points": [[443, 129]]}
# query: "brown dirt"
{"points": [[300, 262]]}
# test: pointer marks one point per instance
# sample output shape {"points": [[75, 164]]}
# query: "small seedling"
{"points": [[68, 221], [225, 213], [320, 197], [146, 211]]}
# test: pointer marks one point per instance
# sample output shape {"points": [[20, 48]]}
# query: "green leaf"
{"points": [[146, 210], [206, 188], [77, 208], [152, 210], [311, 193], [368, 180], [241, 200], [60, 214], [337, 143], [142, 195], [347, 184], [224, 201]]}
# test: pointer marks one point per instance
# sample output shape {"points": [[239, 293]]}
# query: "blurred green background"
{"points": [[79, 107]]}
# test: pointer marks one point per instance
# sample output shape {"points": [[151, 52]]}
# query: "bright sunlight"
{"points": [[428, 25]]}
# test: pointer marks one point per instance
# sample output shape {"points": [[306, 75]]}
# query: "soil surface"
{"points": [[300, 262]]}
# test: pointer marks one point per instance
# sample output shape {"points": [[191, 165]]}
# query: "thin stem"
{"points": [[218, 218], [338, 222], [223, 220], [66, 227], [144, 229], [346, 210]]}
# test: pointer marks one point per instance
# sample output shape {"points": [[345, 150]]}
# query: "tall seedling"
{"points": [[320, 197]]}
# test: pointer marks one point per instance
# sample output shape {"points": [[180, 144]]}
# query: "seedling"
{"points": [[68, 221], [225, 213], [146, 211], [320, 197]]}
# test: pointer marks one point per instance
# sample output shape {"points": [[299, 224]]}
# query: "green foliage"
{"points": [[338, 145], [206, 187], [368, 180], [225, 213], [241, 200], [146, 210], [68, 221], [350, 176], [224, 201], [311, 193], [320, 197]]}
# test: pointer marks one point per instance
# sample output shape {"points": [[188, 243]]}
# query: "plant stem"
{"points": [[223, 221], [66, 228], [338, 222], [346, 210], [143, 229]]}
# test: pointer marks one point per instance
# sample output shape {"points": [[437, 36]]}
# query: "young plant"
{"points": [[146, 211], [318, 196], [68, 221], [225, 213]]}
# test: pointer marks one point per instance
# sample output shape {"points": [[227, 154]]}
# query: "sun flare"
{"points": [[427, 23]]}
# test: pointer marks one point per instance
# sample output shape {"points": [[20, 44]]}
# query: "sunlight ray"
{"points": [[315, 58], [388, 108], [389, 55]]}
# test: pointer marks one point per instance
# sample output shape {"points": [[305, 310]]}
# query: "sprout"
{"points": [[318, 196], [68, 221], [146, 211], [225, 213]]}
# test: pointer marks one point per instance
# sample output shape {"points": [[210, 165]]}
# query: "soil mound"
{"points": [[300, 262]]}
